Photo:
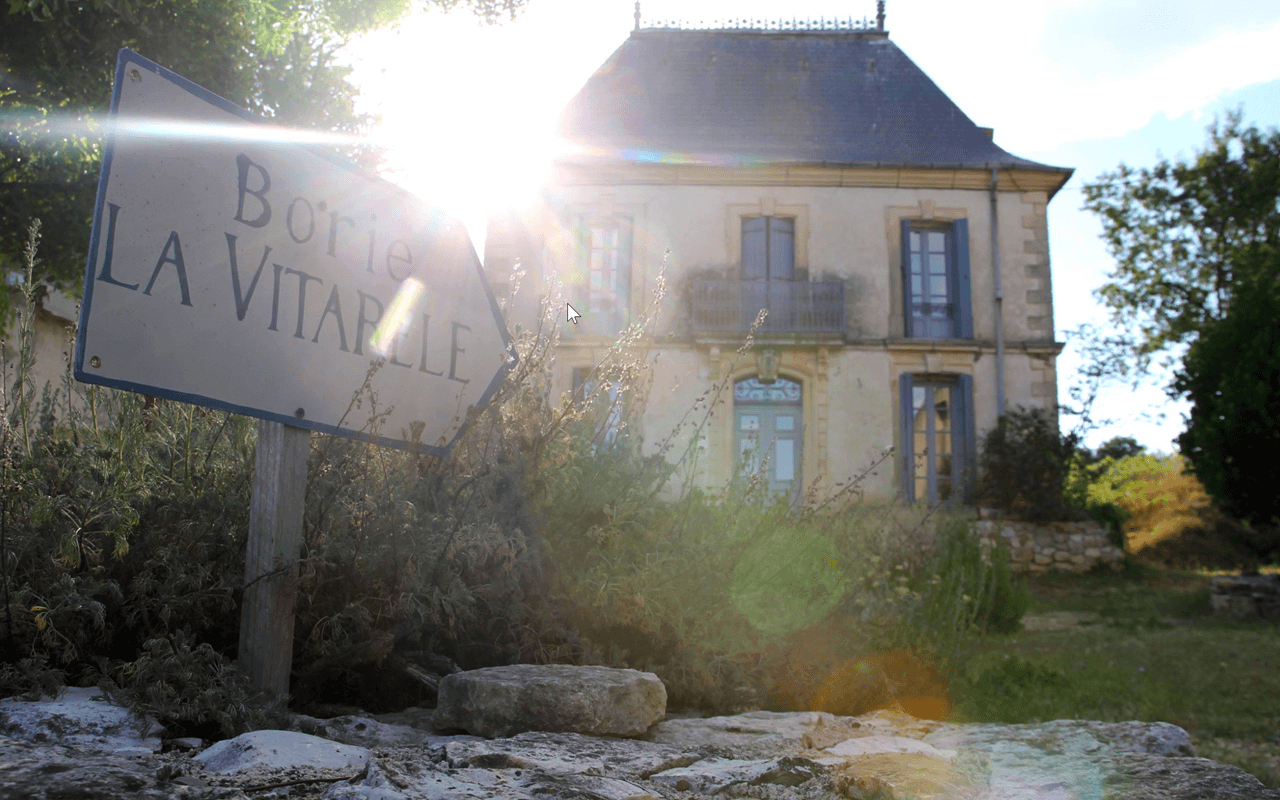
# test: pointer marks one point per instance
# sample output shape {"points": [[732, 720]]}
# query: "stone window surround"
{"points": [[607, 206], [767, 207], [926, 211], [806, 367]]}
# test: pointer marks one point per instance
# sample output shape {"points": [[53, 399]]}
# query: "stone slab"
{"points": [[877, 744], [570, 753], [504, 701], [272, 750], [84, 718]]}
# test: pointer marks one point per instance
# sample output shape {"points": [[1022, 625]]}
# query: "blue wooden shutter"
{"points": [[906, 277], [960, 269], [755, 253], [964, 437], [906, 437], [622, 274], [782, 248]]}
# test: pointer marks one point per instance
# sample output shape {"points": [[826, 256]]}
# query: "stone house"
{"points": [[813, 170]]}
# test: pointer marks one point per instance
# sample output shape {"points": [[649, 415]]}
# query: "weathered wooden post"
{"points": [[271, 561]]}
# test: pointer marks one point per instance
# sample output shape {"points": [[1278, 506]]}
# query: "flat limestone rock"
{"points": [[503, 701], [569, 753], [1064, 758], [909, 774], [756, 734], [779, 756], [30, 771], [716, 775], [1070, 735], [276, 750], [410, 780], [83, 718], [366, 732], [877, 744], [1148, 777]]}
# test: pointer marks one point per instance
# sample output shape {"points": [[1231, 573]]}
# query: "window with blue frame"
{"points": [[768, 248], [607, 400], [935, 280], [604, 273], [937, 441]]}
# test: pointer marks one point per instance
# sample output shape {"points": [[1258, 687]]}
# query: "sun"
{"points": [[465, 123]]}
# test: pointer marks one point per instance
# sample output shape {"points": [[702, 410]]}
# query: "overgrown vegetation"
{"points": [[542, 537]]}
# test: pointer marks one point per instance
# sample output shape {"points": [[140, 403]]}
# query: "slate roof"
{"points": [[752, 97]]}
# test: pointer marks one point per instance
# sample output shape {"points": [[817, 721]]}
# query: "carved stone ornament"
{"points": [[767, 365]]}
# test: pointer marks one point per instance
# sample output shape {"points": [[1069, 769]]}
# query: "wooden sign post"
{"points": [[271, 563]]}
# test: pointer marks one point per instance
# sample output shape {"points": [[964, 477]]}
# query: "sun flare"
{"points": [[464, 125]]}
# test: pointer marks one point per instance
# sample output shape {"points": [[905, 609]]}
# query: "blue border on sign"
{"points": [[126, 58]]}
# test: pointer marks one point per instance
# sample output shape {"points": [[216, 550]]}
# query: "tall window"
{"points": [[937, 440], [607, 403], [604, 263], [935, 278], [768, 248]]}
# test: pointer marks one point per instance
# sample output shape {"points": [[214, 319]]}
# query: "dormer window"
{"points": [[768, 248]]}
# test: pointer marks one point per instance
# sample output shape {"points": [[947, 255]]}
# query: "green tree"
{"points": [[277, 58], [1184, 233], [1197, 249], [1118, 447], [1231, 374]]}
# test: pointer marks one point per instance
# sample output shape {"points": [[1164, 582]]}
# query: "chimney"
{"points": [[880, 15]]}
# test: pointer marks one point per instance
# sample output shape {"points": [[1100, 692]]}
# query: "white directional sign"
{"points": [[232, 268]]}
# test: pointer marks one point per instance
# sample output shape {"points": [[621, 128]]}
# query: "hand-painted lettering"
{"points": [[334, 219], [174, 258], [363, 319], [242, 300], [311, 221], [275, 298], [334, 306], [394, 256], [422, 365], [302, 296], [104, 275], [243, 165], [396, 342], [453, 353]]}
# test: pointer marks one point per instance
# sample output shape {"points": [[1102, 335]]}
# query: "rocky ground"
{"points": [[85, 748]]}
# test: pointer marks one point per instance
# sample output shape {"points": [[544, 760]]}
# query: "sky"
{"points": [[466, 109]]}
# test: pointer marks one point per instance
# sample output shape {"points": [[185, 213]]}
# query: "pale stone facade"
{"points": [[846, 224]]}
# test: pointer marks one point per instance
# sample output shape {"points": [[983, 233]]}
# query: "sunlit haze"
{"points": [[467, 109]]}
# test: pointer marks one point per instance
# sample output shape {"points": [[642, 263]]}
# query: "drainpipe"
{"points": [[999, 293]]}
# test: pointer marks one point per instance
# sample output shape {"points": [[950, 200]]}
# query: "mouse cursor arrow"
{"points": [[572, 314]]}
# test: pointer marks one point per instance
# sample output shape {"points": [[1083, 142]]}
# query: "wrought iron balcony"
{"points": [[794, 306]]}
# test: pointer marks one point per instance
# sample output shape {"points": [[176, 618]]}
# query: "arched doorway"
{"points": [[767, 424]]}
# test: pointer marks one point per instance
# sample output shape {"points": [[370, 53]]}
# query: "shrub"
{"points": [[1024, 462], [191, 690]]}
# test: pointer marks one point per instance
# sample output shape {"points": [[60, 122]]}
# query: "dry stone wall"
{"points": [[1052, 546]]}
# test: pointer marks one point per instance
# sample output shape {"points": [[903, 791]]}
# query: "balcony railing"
{"points": [[794, 307]]}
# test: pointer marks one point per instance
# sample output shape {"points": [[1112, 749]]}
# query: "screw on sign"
{"points": [[233, 267]]}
